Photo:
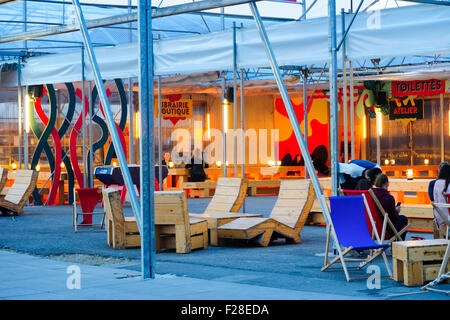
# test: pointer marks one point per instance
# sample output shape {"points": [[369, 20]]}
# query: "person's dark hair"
{"points": [[363, 184], [381, 180], [373, 173], [444, 174]]}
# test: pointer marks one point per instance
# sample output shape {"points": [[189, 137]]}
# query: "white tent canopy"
{"points": [[404, 31]]}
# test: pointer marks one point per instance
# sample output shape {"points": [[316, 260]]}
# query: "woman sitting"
{"points": [[440, 188], [388, 203]]}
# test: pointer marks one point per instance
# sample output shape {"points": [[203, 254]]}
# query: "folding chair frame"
{"points": [[387, 221], [76, 214], [442, 275], [340, 258]]}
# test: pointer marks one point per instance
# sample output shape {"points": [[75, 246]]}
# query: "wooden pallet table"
{"points": [[416, 262], [199, 189]]}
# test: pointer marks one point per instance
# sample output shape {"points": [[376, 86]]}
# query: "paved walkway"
{"points": [[24, 277]]}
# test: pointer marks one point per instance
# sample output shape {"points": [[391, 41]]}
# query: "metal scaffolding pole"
{"points": [[159, 134], [146, 142], [334, 137], [441, 105], [130, 98], [242, 132], [305, 110], [108, 115], [91, 153], [83, 114], [19, 104], [352, 114], [224, 129], [27, 129], [295, 125], [344, 90], [235, 100]]}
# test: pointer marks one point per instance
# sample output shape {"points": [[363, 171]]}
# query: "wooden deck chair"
{"points": [[348, 219], [228, 196], [444, 273], [393, 234], [286, 220], [122, 232], [19, 193], [224, 206], [173, 227], [3, 179]]}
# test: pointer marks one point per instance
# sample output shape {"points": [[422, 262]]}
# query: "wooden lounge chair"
{"points": [[224, 206], [286, 220], [20, 192], [3, 179], [348, 220], [173, 227], [122, 232]]}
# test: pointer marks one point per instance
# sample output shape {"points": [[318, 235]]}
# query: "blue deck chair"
{"points": [[348, 219]]}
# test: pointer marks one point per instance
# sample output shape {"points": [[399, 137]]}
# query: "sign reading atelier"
{"points": [[174, 108], [406, 108], [418, 88]]}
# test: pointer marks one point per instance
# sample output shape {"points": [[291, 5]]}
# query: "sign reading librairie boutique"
{"points": [[174, 108], [429, 87]]}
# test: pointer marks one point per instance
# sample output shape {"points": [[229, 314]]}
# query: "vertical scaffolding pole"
{"points": [[27, 129], [334, 137], [235, 100], [305, 111], [159, 134], [146, 112], [224, 129], [441, 102], [242, 132], [352, 114], [19, 104], [91, 153], [130, 99], [109, 116], [344, 89], [83, 114], [296, 127]]}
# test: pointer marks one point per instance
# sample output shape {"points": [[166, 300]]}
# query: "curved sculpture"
{"points": [[42, 136]]}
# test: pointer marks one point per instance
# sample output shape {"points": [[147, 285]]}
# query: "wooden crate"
{"points": [[256, 187], [416, 262]]}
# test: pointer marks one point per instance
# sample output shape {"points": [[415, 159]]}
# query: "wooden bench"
{"points": [[173, 227], [199, 189], [122, 232], [257, 187], [416, 262], [19, 193]]}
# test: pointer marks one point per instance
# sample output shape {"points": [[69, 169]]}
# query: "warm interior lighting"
{"points": [[278, 163], [208, 126], [14, 166], [392, 162], [114, 164], [386, 162], [379, 123], [364, 127], [28, 100], [226, 163], [426, 161], [62, 165], [137, 130], [271, 163], [409, 174], [218, 163], [171, 164], [225, 115], [38, 167]]}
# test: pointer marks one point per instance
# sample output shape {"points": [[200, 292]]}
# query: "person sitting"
{"points": [[387, 201], [441, 187], [298, 161], [363, 184], [432, 182], [286, 160], [197, 166], [350, 173]]}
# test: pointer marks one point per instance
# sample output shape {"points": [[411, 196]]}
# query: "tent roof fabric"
{"points": [[404, 31]]}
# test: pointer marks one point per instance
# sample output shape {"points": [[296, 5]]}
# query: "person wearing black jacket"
{"points": [[197, 166]]}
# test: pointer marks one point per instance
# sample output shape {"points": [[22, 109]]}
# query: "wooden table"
{"points": [[417, 261]]}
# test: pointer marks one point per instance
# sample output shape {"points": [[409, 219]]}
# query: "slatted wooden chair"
{"points": [[3, 179], [286, 220], [122, 232], [17, 196], [173, 227], [224, 206]]}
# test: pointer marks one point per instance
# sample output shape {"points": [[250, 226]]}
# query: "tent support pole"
{"points": [[159, 135], [305, 110], [242, 131], [83, 115], [344, 90], [235, 100], [19, 103], [224, 131], [352, 115], [441, 102], [295, 125], [146, 142], [110, 122]]}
